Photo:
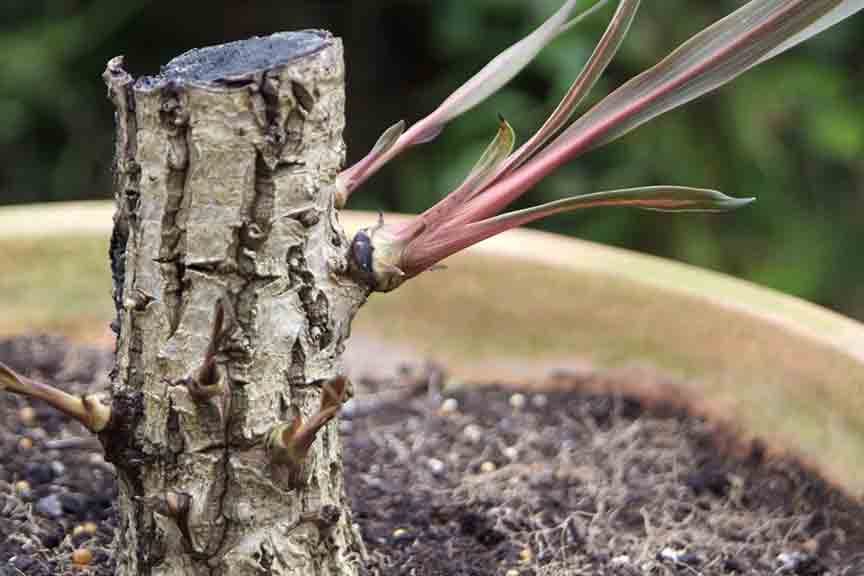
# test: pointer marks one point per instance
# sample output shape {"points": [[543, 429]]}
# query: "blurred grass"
{"points": [[56, 284]]}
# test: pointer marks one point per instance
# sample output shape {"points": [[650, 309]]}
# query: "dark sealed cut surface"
{"points": [[485, 481], [238, 60]]}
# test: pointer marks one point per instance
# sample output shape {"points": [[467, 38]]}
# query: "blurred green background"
{"points": [[790, 132]]}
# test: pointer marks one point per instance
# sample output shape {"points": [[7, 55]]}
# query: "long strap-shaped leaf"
{"points": [[591, 72], [491, 78], [481, 174], [452, 239], [582, 16], [757, 31], [841, 12], [603, 53], [497, 151], [498, 72], [754, 33]]}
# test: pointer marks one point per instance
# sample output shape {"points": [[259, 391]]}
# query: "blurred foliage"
{"points": [[790, 132]]}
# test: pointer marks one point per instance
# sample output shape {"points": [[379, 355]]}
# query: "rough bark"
{"points": [[224, 166]]}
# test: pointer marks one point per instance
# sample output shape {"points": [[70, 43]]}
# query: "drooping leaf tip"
{"points": [[741, 202]]}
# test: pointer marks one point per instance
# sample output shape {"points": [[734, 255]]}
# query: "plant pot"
{"points": [[526, 305]]}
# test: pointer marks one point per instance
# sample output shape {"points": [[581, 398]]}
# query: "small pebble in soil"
{"points": [[87, 528], [435, 465], [539, 400], [512, 572], [50, 506], [82, 557], [96, 459], [511, 452], [27, 416], [401, 535], [22, 488], [473, 433], [678, 557], [25, 444], [811, 546], [526, 555], [517, 401], [487, 467], [620, 560], [449, 406], [799, 563]]}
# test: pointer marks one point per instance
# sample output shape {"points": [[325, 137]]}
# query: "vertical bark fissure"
{"points": [[174, 115], [226, 475], [117, 257]]}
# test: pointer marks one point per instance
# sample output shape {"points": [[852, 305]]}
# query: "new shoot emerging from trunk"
{"points": [[289, 443], [91, 410], [207, 384], [384, 256]]}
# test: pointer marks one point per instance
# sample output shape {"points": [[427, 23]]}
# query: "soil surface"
{"points": [[470, 481]]}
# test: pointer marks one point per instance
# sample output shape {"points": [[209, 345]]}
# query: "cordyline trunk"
{"points": [[225, 165]]}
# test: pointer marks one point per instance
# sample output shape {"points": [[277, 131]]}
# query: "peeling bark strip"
{"points": [[225, 168]]}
